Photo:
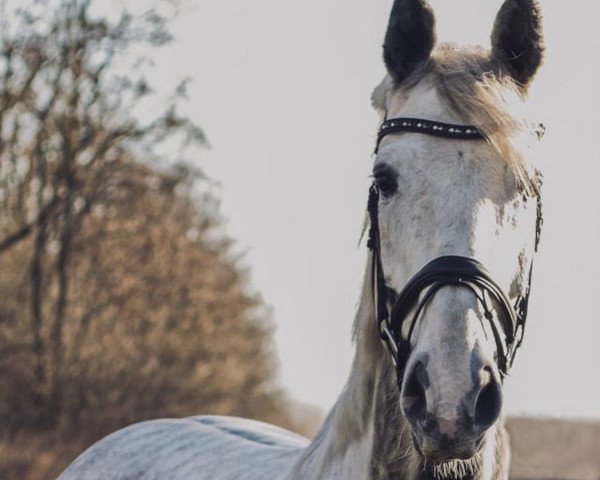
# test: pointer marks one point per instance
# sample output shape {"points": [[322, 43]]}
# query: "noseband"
{"points": [[394, 309]]}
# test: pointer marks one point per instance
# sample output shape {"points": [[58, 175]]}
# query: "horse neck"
{"points": [[365, 436], [352, 431]]}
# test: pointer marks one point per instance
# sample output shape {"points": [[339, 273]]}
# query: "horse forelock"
{"points": [[474, 88]]}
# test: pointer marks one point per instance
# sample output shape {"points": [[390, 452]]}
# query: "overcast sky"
{"points": [[282, 90]]}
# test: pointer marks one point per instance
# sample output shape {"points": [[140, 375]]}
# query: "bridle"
{"points": [[394, 309]]}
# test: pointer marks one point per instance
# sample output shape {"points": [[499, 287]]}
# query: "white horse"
{"points": [[426, 402]]}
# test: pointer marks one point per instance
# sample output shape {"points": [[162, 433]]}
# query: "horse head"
{"points": [[454, 184]]}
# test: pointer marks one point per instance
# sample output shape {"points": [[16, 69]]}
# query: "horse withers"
{"points": [[454, 222]]}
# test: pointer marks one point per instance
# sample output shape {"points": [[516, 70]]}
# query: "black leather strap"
{"points": [[418, 125], [456, 271]]}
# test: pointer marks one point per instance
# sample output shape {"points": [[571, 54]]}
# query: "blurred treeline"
{"points": [[120, 297]]}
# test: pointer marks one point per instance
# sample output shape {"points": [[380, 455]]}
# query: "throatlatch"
{"points": [[394, 309]]}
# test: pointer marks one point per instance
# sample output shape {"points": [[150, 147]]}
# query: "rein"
{"points": [[393, 309]]}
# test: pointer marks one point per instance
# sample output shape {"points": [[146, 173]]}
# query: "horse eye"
{"points": [[386, 183]]}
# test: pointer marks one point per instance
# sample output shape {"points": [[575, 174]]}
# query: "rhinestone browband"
{"points": [[439, 129]]}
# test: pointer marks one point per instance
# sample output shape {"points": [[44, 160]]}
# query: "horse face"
{"points": [[454, 197], [441, 197]]}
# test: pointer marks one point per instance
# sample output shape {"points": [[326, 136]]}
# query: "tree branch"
{"points": [[24, 231]]}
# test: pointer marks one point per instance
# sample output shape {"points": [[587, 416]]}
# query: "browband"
{"points": [[418, 125]]}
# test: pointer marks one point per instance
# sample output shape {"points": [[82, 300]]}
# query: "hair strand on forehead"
{"points": [[470, 85]]}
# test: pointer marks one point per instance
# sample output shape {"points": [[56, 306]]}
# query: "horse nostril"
{"points": [[488, 404], [414, 400]]}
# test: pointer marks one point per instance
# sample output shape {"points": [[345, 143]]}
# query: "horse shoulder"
{"points": [[204, 447]]}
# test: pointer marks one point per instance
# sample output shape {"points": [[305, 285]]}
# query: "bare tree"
{"points": [[119, 299]]}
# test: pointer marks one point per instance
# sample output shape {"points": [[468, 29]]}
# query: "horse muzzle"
{"points": [[441, 448], [447, 423]]}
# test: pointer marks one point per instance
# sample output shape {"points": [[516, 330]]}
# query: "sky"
{"points": [[282, 90]]}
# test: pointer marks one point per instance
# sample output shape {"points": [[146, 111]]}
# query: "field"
{"points": [[554, 449], [543, 449]]}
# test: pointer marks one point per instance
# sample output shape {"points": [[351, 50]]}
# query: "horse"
{"points": [[453, 218]]}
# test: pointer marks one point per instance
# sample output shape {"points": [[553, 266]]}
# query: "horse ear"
{"points": [[409, 38], [517, 39]]}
